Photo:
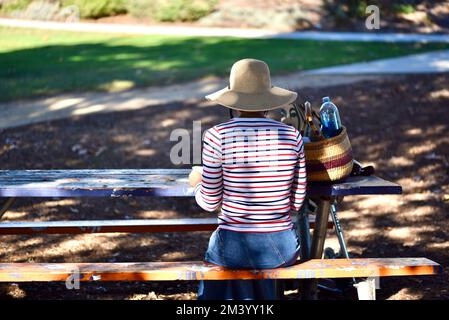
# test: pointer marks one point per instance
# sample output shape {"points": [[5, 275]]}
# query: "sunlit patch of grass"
{"points": [[118, 86]]}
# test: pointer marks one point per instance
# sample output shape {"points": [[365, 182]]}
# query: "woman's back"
{"points": [[254, 168]]}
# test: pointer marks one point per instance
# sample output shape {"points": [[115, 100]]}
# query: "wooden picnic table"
{"points": [[149, 182], [172, 183]]}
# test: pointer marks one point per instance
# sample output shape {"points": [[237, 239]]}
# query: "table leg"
{"points": [[310, 288], [303, 228], [4, 207]]}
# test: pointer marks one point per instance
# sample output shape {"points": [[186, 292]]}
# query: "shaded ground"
{"points": [[399, 124]]}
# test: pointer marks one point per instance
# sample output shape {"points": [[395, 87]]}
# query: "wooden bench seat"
{"points": [[168, 271], [106, 226]]}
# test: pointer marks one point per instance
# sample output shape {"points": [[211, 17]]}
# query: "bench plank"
{"points": [[168, 271], [149, 182], [106, 226]]}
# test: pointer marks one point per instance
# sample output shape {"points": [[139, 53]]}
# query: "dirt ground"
{"points": [[399, 124]]}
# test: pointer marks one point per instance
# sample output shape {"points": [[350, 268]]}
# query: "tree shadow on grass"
{"points": [[123, 63]]}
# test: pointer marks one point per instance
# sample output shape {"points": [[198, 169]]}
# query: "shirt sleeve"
{"points": [[209, 193], [299, 179]]}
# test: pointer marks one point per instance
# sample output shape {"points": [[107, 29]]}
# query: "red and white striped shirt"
{"points": [[255, 169]]}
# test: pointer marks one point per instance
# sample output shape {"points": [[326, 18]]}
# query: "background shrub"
{"points": [[139, 8], [403, 8], [158, 10], [171, 10], [98, 8], [183, 10], [348, 11], [9, 6]]}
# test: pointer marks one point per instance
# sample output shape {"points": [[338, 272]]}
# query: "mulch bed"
{"points": [[399, 124]]}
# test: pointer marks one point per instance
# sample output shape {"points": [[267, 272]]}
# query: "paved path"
{"points": [[19, 113], [223, 32], [430, 62]]}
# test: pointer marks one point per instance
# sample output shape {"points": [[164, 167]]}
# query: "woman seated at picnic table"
{"points": [[254, 168]]}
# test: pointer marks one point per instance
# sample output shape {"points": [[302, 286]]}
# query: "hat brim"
{"points": [[274, 98]]}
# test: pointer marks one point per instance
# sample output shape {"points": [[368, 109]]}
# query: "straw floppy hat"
{"points": [[250, 89]]}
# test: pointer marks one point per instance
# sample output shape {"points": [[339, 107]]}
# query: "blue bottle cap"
{"points": [[326, 99]]}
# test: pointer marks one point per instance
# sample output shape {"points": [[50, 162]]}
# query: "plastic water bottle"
{"points": [[330, 118]]}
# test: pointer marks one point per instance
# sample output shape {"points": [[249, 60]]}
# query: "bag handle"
{"points": [[310, 113]]}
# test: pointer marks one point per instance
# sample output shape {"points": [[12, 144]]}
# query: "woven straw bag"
{"points": [[330, 159]]}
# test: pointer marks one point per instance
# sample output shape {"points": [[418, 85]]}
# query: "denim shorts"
{"points": [[238, 250], [250, 250]]}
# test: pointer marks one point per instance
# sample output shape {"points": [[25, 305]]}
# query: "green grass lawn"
{"points": [[39, 62]]}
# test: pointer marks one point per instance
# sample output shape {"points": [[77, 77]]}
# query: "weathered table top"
{"points": [[149, 182]]}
